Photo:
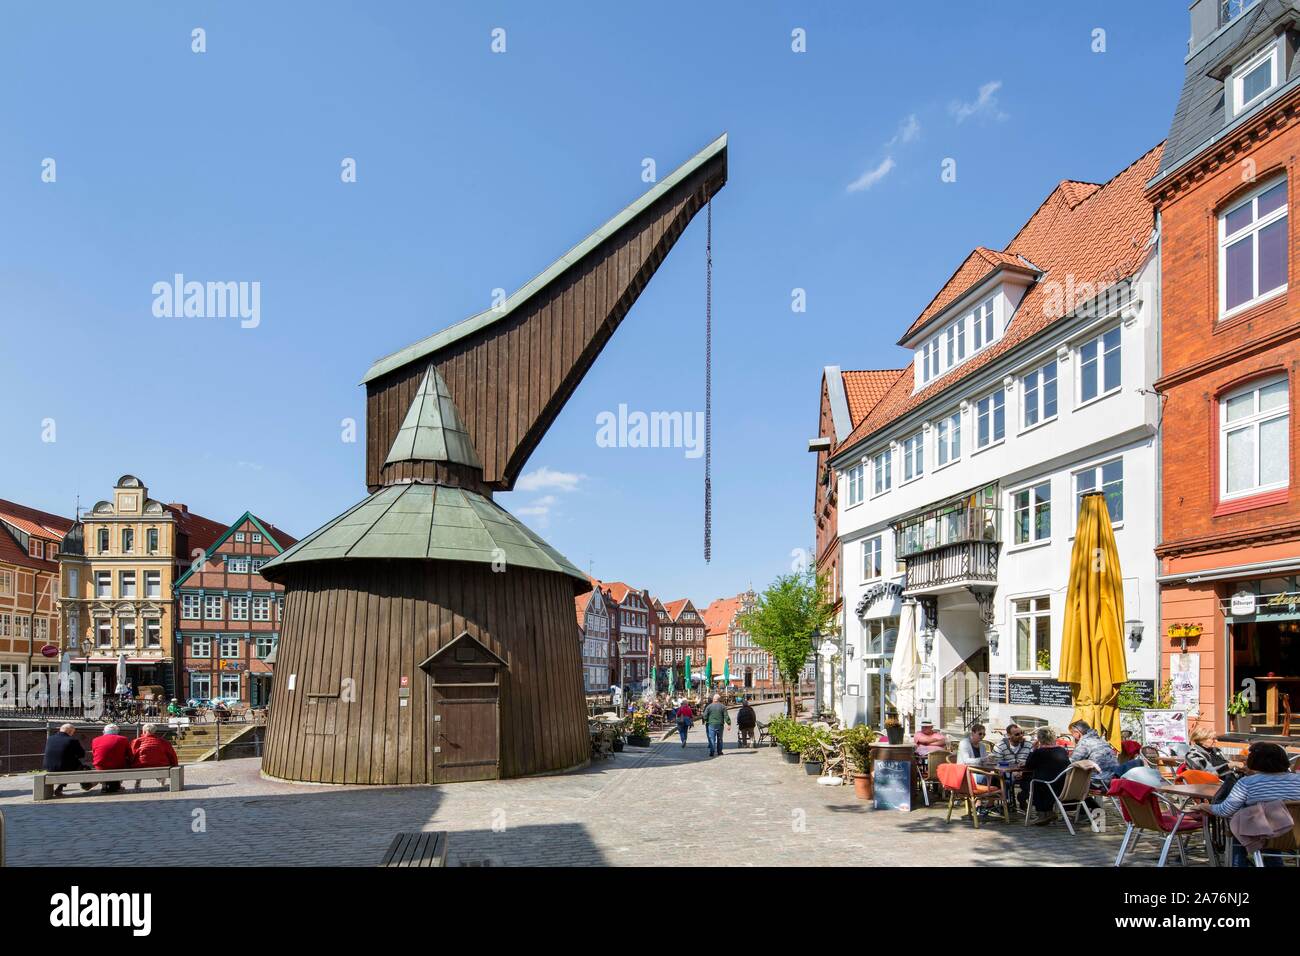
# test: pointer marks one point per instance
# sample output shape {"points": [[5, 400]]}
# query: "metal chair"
{"points": [[959, 782], [1287, 845], [1158, 815], [927, 768], [1074, 782]]}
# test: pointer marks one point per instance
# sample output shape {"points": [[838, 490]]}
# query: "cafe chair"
{"points": [[1145, 810], [1287, 845], [928, 769], [1073, 783], [959, 782]]}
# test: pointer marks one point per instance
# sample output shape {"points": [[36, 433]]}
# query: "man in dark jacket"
{"points": [[715, 715], [745, 721], [63, 751]]}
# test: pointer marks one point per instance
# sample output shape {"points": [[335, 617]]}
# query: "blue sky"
{"points": [[474, 171]]}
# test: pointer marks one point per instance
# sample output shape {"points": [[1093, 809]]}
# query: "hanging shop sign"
{"points": [[1248, 604], [1243, 604]]}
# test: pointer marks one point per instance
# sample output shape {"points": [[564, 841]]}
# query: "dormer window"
{"points": [[1229, 10], [1252, 81], [973, 331]]}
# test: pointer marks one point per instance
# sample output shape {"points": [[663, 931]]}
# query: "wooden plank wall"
{"points": [[510, 380], [372, 622]]}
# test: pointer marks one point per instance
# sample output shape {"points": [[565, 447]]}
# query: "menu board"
{"points": [[997, 688], [1039, 692], [1145, 690], [893, 784]]}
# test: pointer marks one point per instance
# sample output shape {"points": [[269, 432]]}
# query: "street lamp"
{"points": [[622, 661]]}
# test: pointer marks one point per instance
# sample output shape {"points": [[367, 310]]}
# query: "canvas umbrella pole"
{"points": [[1092, 640], [906, 666]]}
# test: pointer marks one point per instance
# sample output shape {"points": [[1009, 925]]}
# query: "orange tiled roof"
{"points": [[975, 268], [865, 388], [1100, 239], [719, 614], [40, 523], [674, 608]]}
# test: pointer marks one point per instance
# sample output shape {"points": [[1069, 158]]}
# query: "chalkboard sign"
{"points": [[997, 688], [1039, 692], [893, 784], [1144, 689]]}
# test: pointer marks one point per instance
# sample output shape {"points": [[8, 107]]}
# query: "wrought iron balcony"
{"points": [[955, 543]]}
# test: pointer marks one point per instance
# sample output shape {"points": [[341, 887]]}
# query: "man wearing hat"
{"points": [[928, 740]]}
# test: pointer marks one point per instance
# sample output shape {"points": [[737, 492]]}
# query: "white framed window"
{"points": [[265, 643], [128, 632], [913, 456], [854, 482], [239, 609], [6, 584], [104, 632], [152, 632], [1033, 622], [257, 538], [201, 646], [36, 548], [1229, 10], [261, 609], [212, 607], [128, 540], [103, 584], [1099, 365], [42, 626], [931, 360], [190, 607], [1039, 389], [229, 647], [153, 584], [126, 584], [102, 537], [237, 565], [882, 472], [990, 419], [1254, 439], [151, 540], [239, 536], [982, 324], [1251, 81], [872, 558], [1253, 248], [956, 342], [1108, 478], [200, 686], [1031, 514]]}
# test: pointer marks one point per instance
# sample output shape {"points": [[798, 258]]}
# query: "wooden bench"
{"points": [[423, 848], [43, 784]]}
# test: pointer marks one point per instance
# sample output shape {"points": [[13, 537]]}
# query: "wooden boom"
{"points": [[510, 370]]}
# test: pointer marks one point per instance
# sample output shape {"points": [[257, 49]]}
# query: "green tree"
{"points": [[784, 619]]}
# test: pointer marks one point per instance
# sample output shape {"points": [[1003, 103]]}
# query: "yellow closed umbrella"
{"points": [[1092, 643]]}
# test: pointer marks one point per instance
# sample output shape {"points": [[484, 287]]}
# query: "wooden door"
{"points": [[465, 734]]}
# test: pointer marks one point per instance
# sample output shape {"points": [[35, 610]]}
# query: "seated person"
{"points": [[1045, 763], [63, 752], [1128, 747], [175, 709], [111, 751], [973, 749], [150, 750], [1268, 778], [928, 740], [1013, 750], [1203, 752], [1088, 745]]}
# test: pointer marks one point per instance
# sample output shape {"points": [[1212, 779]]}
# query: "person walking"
{"points": [[715, 717], [63, 752], [685, 717]]}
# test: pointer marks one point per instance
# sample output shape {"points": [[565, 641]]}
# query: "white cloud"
{"points": [[985, 104], [872, 176], [547, 479], [909, 131], [539, 509]]}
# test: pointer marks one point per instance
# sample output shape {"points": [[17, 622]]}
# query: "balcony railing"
{"points": [[960, 521], [971, 563]]}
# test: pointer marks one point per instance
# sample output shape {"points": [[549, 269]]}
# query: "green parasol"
{"points": [[671, 674], [686, 674], [726, 672], [708, 673]]}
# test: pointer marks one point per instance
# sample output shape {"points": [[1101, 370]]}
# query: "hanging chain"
{"points": [[708, 387]]}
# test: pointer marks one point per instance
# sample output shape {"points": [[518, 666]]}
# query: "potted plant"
{"points": [[812, 751], [893, 728], [638, 734], [793, 736], [855, 743], [1239, 712]]}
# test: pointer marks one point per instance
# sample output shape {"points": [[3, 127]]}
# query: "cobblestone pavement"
{"points": [[663, 805]]}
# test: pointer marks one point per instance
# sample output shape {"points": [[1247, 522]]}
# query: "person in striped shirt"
{"points": [[1268, 778]]}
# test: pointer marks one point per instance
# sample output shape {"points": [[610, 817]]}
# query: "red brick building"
{"points": [[680, 634], [29, 586], [1230, 544], [229, 616]]}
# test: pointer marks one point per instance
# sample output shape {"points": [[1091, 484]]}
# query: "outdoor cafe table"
{"points": [[1006, 775], [1183, 795]]}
